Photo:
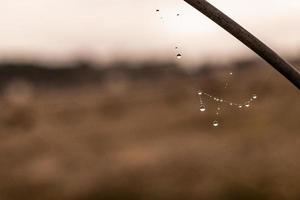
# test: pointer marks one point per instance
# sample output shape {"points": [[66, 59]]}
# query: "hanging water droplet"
{"points": [[215, 123], [231, 104], [218, 108], [200, 93], [202, 108], [221, 100], [254, 96], [230, 73], [179, 56], [247, 105], [240, 106]]}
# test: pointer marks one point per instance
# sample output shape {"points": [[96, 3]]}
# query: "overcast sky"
{"points": [[131, 29]]}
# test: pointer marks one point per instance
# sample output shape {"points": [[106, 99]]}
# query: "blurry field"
{"points": [[146, 139]]}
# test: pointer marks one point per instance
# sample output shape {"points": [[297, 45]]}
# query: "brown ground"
{"points": [[147, 140]]}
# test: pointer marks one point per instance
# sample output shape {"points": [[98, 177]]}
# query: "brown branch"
{"points": [[286, 69]]}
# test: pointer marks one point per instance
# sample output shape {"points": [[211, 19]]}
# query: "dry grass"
{"points": [[147, 140]]}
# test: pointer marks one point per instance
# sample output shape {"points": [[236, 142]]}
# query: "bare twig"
{"points": [[286, 69]]}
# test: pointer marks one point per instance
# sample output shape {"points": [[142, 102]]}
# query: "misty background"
{"points": [[55, 31]]}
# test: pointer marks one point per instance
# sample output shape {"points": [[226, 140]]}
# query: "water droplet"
{"points": [[254, 96], [240, 106], [247, 105], [202, 108], [221, 100], [218, 108], [179, 56], [230, 73], [231, 104], [215, 123], [200, 93]]}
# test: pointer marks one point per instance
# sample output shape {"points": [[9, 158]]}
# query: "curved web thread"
{"points": [[223, 102]]}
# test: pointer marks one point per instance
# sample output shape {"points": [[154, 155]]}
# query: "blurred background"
{"points": [[95, 103]]}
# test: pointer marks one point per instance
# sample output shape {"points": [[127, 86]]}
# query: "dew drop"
{"points": [[215, 123], [230, 73], [218, 108], [254, 96], [231, 104], [179, 56], [240, 106], [247, 105], [200, 93], [202, 108]]}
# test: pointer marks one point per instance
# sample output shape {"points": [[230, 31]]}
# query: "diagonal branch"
{"points": [[286, 69]]}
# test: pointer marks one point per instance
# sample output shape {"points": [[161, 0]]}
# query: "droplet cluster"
{"points": [[226, 102], [223, 102]]}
